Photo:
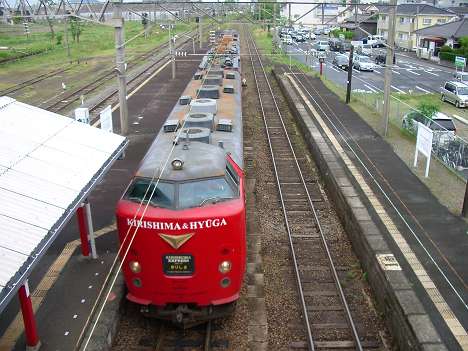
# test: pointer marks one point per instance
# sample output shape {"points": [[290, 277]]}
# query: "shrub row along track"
{"points": [[328, 319]]}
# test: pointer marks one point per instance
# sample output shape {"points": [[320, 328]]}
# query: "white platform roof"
{"points": [[48, 164]]}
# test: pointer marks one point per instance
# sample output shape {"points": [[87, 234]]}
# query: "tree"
{"points": [[76, 28], [46, 3]]}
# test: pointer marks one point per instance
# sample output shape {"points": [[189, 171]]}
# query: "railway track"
{"points": [[171, 338], [36, 79], [65, 101], [327, 316]]}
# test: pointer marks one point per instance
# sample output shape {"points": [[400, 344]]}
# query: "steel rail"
{"points": [[60, 105], [317, 220], [34, 80], [293, 253], [208, 331]]}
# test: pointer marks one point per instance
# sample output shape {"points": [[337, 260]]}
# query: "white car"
{"points": [[312, 36], [363, 63], [365, 49], [321, 45]]}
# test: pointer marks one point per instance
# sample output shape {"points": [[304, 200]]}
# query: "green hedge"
{"points": [[347, 34]]}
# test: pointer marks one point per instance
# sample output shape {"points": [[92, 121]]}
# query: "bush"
{"points": [[58, 38], [446, 48], [347, 34], [428, 109]]}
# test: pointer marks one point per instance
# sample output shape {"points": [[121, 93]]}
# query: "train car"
{"points": [[181, 221]]}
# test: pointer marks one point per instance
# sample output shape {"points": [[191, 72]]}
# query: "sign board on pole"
{"points": [[82, 115], [424, 145], [106, 119], [460, 62]]}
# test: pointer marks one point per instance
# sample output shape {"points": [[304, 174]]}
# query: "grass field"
{"points": [[96, 41]]}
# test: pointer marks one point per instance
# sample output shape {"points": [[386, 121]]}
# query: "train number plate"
{"points": [[178, 264]]}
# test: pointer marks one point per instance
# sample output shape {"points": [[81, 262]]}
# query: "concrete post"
{"points": [[120, 65], [91, 237], [200, 34], [388, 66], [171, 51]]}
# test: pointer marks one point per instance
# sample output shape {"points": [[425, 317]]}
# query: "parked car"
{"points": [[318, 31], [326, 31], [321, 45], [440, 123], [381, 59], [311, 36], [364, 49], [461, 76], [345, 46], [376, 41], [299, 38], [341, 61], [363, 63], [335, 44], [455, 92]]}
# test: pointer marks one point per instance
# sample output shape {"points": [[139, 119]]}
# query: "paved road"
{"points": [[409, 75]]}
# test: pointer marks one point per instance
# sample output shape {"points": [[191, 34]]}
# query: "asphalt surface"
{"points": [[409, 74], [438, 238], [67, 304]]}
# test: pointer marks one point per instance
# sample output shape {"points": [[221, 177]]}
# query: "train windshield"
{"points": [[142, 191], [206, 191]]}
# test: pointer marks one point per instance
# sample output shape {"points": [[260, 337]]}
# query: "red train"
{"points": [[186, 201]]}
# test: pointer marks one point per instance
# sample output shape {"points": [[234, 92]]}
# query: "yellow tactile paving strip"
{"points": [[444, 309]]}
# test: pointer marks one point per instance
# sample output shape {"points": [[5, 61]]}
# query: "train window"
{"points": [[141, 190], [207, 191]]}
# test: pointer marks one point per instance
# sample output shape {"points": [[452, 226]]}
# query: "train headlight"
{"points": [[225, 267], [135, 266], [177, 164]]}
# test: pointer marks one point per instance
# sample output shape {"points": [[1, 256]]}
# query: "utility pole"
{"points": [[200, 38], [171, 51], [274, 17], [289, 18], [388, 66], [120, 65], [66, 38], [350, 75]]}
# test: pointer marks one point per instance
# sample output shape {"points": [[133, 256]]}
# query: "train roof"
{"points": [[205, 125], [209, 161]]}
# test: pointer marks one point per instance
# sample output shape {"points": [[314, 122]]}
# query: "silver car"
{"points": [[363, 63], [321, 45], [461, 76], [456, 93]]}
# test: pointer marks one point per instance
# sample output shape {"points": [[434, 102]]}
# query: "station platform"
{"points": [[426, 242], [65, 285]]}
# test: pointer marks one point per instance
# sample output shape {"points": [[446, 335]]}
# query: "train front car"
{"points": [[183, 214]]}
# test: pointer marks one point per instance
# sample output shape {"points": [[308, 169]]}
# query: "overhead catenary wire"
{"points": [[154, 180]]}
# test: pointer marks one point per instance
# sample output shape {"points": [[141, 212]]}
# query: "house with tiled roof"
{"points": [[430, 39], [409, 19]]}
